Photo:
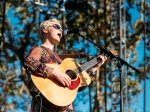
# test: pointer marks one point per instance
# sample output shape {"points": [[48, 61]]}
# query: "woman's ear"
{"points": [[44, 30]]}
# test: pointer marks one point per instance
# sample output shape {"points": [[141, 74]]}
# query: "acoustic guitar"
{"points": [[57, 94]]}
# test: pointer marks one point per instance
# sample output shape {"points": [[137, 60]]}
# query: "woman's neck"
{"points": [[48, 45]]}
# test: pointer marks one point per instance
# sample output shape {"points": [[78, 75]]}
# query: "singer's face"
{"points": [[55, 33]]}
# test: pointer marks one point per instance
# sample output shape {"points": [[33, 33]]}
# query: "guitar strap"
{"points": [[40, 99], [32, 88]]}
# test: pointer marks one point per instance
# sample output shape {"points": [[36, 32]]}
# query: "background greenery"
{"points": [[20, 32]]}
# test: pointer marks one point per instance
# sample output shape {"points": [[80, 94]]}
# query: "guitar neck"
{"points": [[87, 65]]}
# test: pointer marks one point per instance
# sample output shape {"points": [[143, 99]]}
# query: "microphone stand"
{"points": [[120, 63]]}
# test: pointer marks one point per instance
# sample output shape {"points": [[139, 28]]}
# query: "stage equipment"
{"points": [[2, 22], [120, 63], [77, 30], [76, 5], [118, 38]]}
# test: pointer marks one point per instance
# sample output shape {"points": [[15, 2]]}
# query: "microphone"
{"points": [[77, 30]]}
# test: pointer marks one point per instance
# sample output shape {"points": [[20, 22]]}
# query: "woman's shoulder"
{"points": [[35, 48]]}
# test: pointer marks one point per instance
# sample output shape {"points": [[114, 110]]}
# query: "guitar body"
{"points": [[53, 91]]}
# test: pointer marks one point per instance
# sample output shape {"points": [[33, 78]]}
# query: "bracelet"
{"points": [[44, 74]]}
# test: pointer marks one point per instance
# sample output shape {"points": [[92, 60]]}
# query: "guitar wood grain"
{"points": [[53, 91]]}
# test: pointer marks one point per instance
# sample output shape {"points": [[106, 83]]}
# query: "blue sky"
{"points": [[140, 49], [140, 100]]}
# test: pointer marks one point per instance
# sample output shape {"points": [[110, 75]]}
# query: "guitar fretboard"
{"points": [[87, 65]]}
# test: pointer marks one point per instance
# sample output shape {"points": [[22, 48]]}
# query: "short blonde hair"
{"points": [[45, 24]]}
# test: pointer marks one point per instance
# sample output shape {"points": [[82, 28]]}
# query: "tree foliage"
{"points": [[21, 25]]}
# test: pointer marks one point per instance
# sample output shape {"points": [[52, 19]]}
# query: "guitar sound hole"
{"points": [[71, 74]]}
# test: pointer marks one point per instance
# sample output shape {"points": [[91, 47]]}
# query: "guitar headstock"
{"points": [[114, 52]]}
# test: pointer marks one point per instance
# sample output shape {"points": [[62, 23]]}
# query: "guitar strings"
{"points": [[71, 74]]}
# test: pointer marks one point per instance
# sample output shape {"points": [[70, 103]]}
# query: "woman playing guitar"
{"points": [[35, 62]]}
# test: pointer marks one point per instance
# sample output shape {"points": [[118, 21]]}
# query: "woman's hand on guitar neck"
{"points": [[63, 78], [102, 61]]}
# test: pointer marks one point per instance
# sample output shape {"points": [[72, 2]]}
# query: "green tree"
{"points": [[21, 34]]}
